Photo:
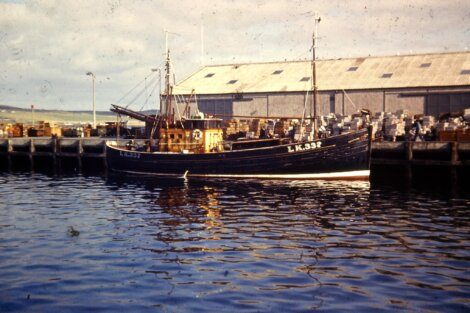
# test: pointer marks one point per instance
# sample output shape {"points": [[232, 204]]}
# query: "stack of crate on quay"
{"points": [[455, 128], [388, 126], [8, 130], [44, 129], [397, 126]]}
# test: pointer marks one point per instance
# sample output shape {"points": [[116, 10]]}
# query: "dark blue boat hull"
{"points": [[343, 153]]}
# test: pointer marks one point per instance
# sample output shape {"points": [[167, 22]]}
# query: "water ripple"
{"points": [[172, 245]]}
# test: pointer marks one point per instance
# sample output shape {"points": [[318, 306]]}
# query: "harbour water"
{"points": [[100, 242]]}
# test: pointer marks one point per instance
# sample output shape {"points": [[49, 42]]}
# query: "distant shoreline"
{"points": [[12, 114]]}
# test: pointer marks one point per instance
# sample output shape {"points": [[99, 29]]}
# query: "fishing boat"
{"points": [[194, 146]]}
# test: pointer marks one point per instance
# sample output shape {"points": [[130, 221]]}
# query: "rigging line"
{"points": [[139, 83], [303, 116], [177, 109], [352, 102], [139, 94], [154, 126], [152, 93], [183, 100], [149, 96], [197, 105]]}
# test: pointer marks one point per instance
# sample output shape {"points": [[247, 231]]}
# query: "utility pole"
{"points": [[314, 78]]}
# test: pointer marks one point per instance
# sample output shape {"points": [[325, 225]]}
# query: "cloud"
{"points": [[46, 47]]}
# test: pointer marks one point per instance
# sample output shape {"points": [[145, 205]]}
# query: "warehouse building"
{"points": [[429, 84]]}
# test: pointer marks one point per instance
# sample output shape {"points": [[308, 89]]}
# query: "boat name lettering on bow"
{"points": [[129, 154], [304, 146]]}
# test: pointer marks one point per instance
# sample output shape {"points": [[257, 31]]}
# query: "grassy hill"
{"points": [[20, 115]]}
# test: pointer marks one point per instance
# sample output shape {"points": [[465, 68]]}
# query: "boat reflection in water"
{"points": [[175, 201]]}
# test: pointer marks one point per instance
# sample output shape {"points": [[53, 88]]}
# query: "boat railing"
{"points": [[180, 144], [239, 144]]}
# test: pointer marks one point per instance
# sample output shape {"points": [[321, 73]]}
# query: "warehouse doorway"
{"points": [[332, 103], [218, 107], [437, 104]]}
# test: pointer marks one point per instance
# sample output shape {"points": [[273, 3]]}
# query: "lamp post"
{"points": [[314, 78], [94, 111], [32, 115]]}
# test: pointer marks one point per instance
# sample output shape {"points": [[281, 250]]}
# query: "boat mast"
{"points": [[314, 79], [167, 86], [167, 81]]}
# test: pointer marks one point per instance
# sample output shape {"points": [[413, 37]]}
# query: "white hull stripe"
{"points": [[363, 174]]}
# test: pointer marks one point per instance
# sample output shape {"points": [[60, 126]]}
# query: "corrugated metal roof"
{"points": [[421, 70]]}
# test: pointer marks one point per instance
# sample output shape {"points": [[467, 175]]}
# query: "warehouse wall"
{"points": [[416, 101], [352, 101], [180, 106], [251, 106], [397, 101], [288, 105]]}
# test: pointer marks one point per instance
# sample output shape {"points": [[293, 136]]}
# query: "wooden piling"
{"points": [[9, 150], [454, 153], [79, 153], [31, 154], [409, 150]]}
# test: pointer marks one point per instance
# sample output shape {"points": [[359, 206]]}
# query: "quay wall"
{"points": [[445, 154]]}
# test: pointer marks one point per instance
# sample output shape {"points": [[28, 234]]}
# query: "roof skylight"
{"points": [[209, 75], [305, 79], [353, 68], [425, 65], [387, 75], [277, 72], [233, 81], [465, 72]]}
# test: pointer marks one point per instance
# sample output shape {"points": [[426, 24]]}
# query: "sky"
{"points": [[47, 47]]}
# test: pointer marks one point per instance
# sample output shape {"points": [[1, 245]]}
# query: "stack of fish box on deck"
{"points": [[236, 128], [281, 127], [255, 128]]}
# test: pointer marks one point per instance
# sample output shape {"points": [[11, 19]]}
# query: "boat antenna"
{"points": [[202, 40], [314, 78], [168, 87]]}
